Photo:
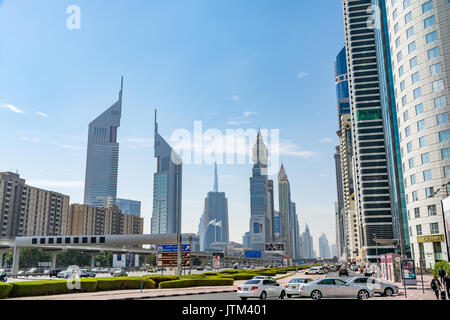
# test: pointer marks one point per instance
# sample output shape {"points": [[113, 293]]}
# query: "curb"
{"points": [[176, 295]]}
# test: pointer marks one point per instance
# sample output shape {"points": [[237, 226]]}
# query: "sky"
{"points": [[229, 64]]}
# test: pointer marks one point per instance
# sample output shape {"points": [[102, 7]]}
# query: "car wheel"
{"points": [[363, 295], [282, 295], [316, 295], [244, 298], [388, 292], [263, 296], [289, 295]]}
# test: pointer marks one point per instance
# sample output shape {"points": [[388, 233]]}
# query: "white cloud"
{"points": [[29, 139], [12, 108], [326, 140], [301, 75], [247, 114], [55, 183], [42, 114], [235, 98], [289, 148], [324, 175], [241, 120]]}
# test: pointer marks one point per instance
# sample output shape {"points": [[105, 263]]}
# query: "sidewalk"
{"points": [[148, 293]]}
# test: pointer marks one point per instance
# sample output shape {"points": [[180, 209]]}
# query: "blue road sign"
{"points": [[253, 254], [173, 248]]}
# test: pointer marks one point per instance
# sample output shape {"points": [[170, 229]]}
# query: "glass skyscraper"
{"points": [[102, 161], [131, 207], [167, 182]]}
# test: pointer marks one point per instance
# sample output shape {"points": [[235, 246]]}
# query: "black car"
{"points": [[54, 272], [343, 272]]}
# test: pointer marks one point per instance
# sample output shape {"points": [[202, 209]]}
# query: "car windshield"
{"points": [[253, 282], [297, 281]]}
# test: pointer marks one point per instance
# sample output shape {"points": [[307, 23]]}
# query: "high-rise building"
{"points": [[215, 217], [374, 214], [308, 246], [131, 207], [260, 198], [413, 37], [102, 161], [167, 182], [324, 247], [246, 240], [29, 211], [334, 252], [339, 205]]}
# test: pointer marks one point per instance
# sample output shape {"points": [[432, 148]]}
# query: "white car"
{"points": [[379, 287], [67, 274], [293, 287], [335, 288], [314, 270], [263, 278], [261, 289]]}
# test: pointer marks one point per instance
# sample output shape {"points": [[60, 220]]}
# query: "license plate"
{"points": [[293, 287], [245, 289]]}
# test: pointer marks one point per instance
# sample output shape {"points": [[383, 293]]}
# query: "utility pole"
{"points": [[180, 252]]}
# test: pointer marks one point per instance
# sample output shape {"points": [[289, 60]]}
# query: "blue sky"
{"points": [[230, 64]]}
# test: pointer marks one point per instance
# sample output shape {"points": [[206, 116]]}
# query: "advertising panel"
{"points": [[408, 270], [274, 247], [253, 254], [276, 225], [258, 233]]}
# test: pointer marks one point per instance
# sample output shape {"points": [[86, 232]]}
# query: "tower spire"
{"points": [[216, 179], [121, 89]]}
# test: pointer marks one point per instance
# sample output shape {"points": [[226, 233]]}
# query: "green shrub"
{"points": [[89, 285], [232, 271], [244, 276], [161, 278], [187, 283], [29, 288], [444, 264], [5, 289], [107, 284], [136, 282], [210, 273]]}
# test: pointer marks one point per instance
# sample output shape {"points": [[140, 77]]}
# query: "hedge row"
{"points": [[54, 287], [186, 283], [161, 278]]}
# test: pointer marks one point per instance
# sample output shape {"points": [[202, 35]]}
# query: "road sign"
{"points": [[167, 255], [252, 254], [173, 248]]}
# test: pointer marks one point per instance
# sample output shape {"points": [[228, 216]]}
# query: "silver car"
{"points": [[381, 288], [335, 288], [293, 287], [262, 289]]}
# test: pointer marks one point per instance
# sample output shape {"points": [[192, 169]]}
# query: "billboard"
{"points": [[408, 271], [276, 224], [274, 247], [216, 262], [252, 254], [258, 233]]}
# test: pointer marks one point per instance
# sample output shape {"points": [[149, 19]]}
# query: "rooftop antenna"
{"points": [[121, 88], [156, 122]]}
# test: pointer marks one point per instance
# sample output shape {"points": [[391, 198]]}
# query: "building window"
{"points": [[417, 213], [409, 147], [402, 85], [442, 118], [419, 109], [417, 93], [445, 153], [447, 171], [434, 228], [429, 192], [419, 229], [406, 4], [413, 62], [397, 42], [415, 196], [429, 22], [401, 70], [412, 47], [394, 14], [413, 179], [408, 17], [405, 116], [425, 158], [396, 28], [399, 56], [438, 85], [409, 32], [444, 135], [415, 77], [431, 37], [432, 210], [427, 6], [420, 125], [440, 102], [407, 131], [404, 101], [423, 141], [411, 163], [427, 175], [435, 69], [433, 53]]}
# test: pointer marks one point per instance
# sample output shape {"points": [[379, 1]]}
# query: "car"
{"points": [[263, 278], [381, 288], [208, 268], [119, 273], [31, 271], [67, 274], [53, 272], [199, 268], [324, 269], [85, 273], [343, 272], [314, 270], [261, 289], [335, 288], [368, 272], [293, 286]]}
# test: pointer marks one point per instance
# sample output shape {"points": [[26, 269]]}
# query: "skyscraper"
{"points": [[307, 242], [260, 198], [215, 217], [415, 36], [131, 207], [167, 182], [102, 161], [371, 183], [324, 247]]}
